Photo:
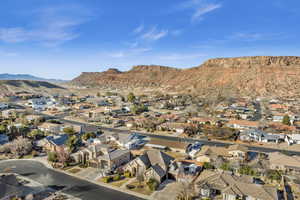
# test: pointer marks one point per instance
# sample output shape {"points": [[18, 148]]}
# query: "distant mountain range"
{"points": [[28, 77], [39, 87]]}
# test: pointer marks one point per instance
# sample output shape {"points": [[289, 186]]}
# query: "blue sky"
{"points": [[62, 38]]}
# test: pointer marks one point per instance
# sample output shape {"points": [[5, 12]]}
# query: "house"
{"points": [[173, 126], [273, 138], [95, 113], [289, 164], [227, 186], [12, 113], [82, 106], [153, 163], [84, 155], [255, 135], [98, 101], [50, 127], [175, 146], [32, 118], [278, 117], [278, 126], [238, 151], [278, 107], [292, 139], [242, 124], [185, 170], [211, 153], [38, 103], [128, 141], [56, 142], [110, 160], [102, 156], [252, 135], [201, 120]]}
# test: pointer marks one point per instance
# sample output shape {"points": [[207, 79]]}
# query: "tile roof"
{"points": [[244, 123], [235, 185], [160, 158], [278, 158]]}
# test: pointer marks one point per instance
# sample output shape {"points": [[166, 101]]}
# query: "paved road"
{"points": [[72, 185], [188, 140]]}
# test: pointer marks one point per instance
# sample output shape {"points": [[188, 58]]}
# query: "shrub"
{"points": [[130, 187], [274, 175], [208, 166], [52, 157], [127, 174], [286, 120], [152, 184], [226, 167], [106, 179], [247, 170], [116, 177]]}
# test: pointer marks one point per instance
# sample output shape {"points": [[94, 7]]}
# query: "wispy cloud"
{"points": [[139, 29], [154, 34], [128, 52], [199, 8], [202, 10], [50, 26], [13, 35], [255, 36]]}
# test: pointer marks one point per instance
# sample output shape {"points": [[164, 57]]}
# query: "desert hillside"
{"points": [[12, 86], [246, 76]]}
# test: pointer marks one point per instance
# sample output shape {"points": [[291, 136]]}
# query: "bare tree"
{"points": [[63, 156], [20, 146], [186, 192]]}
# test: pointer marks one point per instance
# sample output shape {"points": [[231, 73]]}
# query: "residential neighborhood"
{"points": [[135, 145]]}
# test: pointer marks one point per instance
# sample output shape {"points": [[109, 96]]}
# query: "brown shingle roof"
{"points": [[171, 144]]}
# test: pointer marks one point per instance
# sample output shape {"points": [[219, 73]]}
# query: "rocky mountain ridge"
{"points": [[246, 76]]}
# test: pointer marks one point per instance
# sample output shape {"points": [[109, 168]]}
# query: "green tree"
{"points": [[88, 135], [131, 98], [36, 133], [2, 129], [52, 157], [72, 142], [69, 130], [152, 184], [137, 109], [286, 120]]}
